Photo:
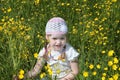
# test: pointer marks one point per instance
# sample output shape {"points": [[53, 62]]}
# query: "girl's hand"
{"points": [[63, 79]]}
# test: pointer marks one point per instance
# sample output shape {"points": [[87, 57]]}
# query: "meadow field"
{"points": [[94, 31]]}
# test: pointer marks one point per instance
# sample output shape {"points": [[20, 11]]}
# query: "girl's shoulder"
{"points": [[68, 47], [70, 52], [42, 51]]}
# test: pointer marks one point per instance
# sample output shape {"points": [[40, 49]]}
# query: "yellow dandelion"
{"points": [[85, 74], [110, 53], [35, 55]]}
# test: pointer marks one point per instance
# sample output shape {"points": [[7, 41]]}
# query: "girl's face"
{"points": [[57, 41]]}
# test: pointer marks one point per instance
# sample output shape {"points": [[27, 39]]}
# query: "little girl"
{"points": [[57, 53]]}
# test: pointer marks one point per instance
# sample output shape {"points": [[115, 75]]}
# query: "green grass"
{"points": [[94, 30]]}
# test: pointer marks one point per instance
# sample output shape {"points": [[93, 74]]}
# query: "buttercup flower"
{"points": [[114, 0], [35, 55], [103, 78], [110, 63], [115, 60], [114, 67], [115, 77], [21, 76], [94, 73], [110, 53], [42, 75], [21, 71], [85, 74], [98, 66], [91, 66]]}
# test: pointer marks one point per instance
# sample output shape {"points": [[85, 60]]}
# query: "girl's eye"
{"points": [[62, 38], [54, 38]]}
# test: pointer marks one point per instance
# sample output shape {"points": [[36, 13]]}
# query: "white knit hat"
{"points": [[56, 25]]}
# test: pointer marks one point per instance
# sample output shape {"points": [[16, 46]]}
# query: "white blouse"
{"points": [[60, 67]]}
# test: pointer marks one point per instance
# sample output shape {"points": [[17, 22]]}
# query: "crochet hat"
{"points": [[56, 25]]}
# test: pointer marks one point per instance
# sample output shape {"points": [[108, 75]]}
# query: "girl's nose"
{"points": [[58, 41]]}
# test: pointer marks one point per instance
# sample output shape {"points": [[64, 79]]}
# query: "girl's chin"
{"points": [[58, 49]]}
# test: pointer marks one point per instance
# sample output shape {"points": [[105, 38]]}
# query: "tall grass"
{"points": [[94, 30]]}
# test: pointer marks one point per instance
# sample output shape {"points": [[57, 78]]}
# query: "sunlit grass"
{"points": [[94, 30]]}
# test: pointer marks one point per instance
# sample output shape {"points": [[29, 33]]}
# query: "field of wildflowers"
{"points": [[94, 30]]}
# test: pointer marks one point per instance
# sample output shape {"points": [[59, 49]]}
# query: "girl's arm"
{"points": [[75, 71], [38, 66]]}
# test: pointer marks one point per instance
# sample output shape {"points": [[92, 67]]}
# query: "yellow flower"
{"points": [[50, 71], [110, 78], [68, 4], [91, 66], [98, 66], [115, 77], [110, 63], [119, 68], [9, 10], [104, 74], [1, 28], [21, 71], [42, 75], [85, 74], [115, 60], [94, 73], [103, 78], [114, 0], [21, 76], [37, 2], [62, 4], [110, 53], [35, 55], [103, 52], [58, 71], [105, 68], [114, 67], [74, 31]]}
